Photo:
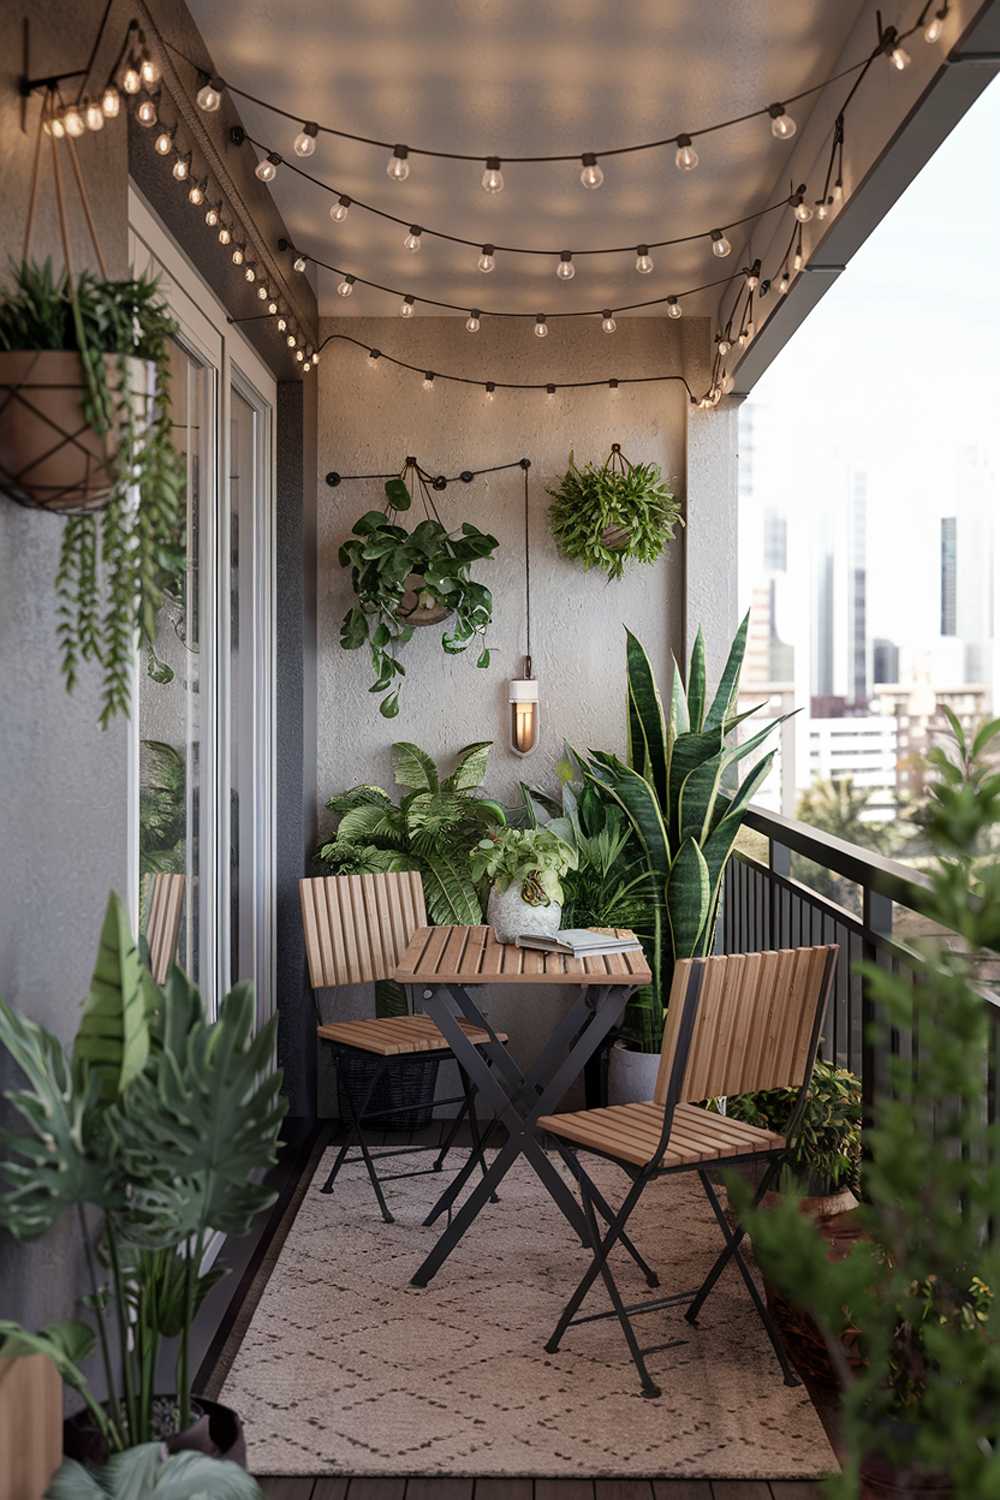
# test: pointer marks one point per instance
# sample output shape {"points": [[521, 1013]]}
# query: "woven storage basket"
{"points": [[50, 456], [407, 1081]]}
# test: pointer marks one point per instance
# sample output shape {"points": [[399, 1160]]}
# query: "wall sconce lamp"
{"points": [[523, 698]]}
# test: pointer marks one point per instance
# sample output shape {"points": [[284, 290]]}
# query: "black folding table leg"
{"points": [[452, 1131], [478, 1149]]}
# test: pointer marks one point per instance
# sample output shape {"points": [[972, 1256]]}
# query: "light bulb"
{"points": [[148, 71], [428, 381], [398, 166], [146, 113], [472, 322], [340, 210], [724, 347], [196, 194], [314, 356], [934, 27], [239, 255], [212, 215], [208, 97], [131, 81], [608, 323], [565, 270], [592, 176], [262, 292], [720, 245], [838, 191], [300, 355], [291, 341], [487, 259], [54, 126], [406, 308], [345, 287], [783, 127], [374, 355], [550, 391], [803, 212], [73, 122], [266, 169], [111, 102], [181, 168], [797, 261], [686, 158], [784, 283], [304, 143], [490, 390], [541, 326], [282, 324], [613, 385], [272, 307], [492, 178], [751, 329], [249, 274], [674, 309], [899, 58], [299, 263], [742, 340], [822, 210], [225, 235], [412, 240], [93, 115], [753, 277], [163, 145], [306, 368], [643, 260]]}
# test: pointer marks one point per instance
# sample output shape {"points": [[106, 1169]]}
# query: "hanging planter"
{"points": [[620, 512], [404, 579]]}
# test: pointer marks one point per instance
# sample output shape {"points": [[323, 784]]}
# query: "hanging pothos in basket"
{"points": [[404, 579], [619, 512]]}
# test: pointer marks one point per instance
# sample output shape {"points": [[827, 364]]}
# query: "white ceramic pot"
{"points": [[511, 916], [631, 1075]]}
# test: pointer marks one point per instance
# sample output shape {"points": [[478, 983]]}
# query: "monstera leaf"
{"points": [[145, 1471], [113, 1039]]}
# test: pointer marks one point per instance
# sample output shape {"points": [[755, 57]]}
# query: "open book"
{"points": [[579, 942]]}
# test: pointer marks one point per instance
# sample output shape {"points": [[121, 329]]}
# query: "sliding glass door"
{"points": [[202, 765]]}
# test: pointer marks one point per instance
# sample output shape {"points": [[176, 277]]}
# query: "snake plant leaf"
{"points": [[739, 752], [449, 890], [634, 793], [539, 805], [688, 899], [637, 757], [680, 721], [113, 1037], [729, 682], [649, 712], [471, 765], [719, 844], [689, 751], [698, 793], [696, 682]]}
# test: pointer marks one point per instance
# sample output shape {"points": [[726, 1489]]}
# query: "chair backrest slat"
{"points": [[357, 926], [756, 1021], [165, 907]]}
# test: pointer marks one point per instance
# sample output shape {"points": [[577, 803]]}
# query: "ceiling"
{"points": [[522, 77]]}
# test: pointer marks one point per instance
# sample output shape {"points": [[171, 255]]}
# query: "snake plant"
{"points": [[679, 792]]}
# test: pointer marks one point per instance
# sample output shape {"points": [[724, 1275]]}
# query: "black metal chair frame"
{"points": [[642, 1176]]}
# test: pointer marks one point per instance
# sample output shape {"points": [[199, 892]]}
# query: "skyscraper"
{"points": [[949, 575], [885, 661], [858, 658]]}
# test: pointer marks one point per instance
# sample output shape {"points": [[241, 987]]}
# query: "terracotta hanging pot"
{"points": [[50, 456], [413, 612]]}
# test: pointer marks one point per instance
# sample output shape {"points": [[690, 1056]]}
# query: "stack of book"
{"points": [[580, 942]]}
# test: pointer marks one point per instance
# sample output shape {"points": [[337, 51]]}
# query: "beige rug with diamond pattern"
{"points": [[345, 1368]]}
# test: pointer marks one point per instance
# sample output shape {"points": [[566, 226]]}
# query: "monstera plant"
{"points": [[680, 793], [152, 1131]]}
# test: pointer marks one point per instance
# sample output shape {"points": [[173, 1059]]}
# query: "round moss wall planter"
{"points": [[607, 516]]}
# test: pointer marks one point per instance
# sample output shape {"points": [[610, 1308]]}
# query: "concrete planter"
{"points": [[631, 1075], [511, 916]]}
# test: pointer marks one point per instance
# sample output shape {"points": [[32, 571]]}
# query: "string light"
{"points": [[802, 210], [487, 259], [340, 209], [239, 255], [429, 381], [785, 282], [93, 115], [935, 26], [282, 324], [374, 355], [209, 96], [272, 307], [720, 244], [181, 167], [896, 54], [111, 102], [591, 176], [723, 345], [412, 240], [299, 264], [163, 145], [266, 170], [492, 178], [612, 384], [304, 143], [550, 392], [225, 235], [131, 78], [838, 191], [673, 308], [783, 127], [686, 158], [212, 214], [473, 321], [54, 126], [262, 292], [398, 166], [643, 260], [406, 307], [541, 326], [345, 287], [300, 355], [196, 193], [490, 389], [753, 277], [291, 341], [608, 323], [565, 270], [249, 274], [306, 367], [148, 71], [73, 122]]}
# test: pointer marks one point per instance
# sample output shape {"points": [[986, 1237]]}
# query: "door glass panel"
{"points": [[243, 484]]}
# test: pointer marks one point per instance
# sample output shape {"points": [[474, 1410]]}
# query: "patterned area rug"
{"points": [[345, 1368]]}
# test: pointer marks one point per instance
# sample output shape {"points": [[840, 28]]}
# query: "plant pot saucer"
{"points": [[415, 613]]}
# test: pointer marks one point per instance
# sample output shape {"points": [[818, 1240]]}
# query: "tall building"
{"points": [[949, 575], [885, 661], [775, 541], [841, 650], [864, 748], [858, 657]]}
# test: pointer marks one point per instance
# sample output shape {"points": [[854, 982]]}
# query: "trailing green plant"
{"points": [[918, 1288], [162, 809], [109, 582], [677, 791], [148, 1471], [533, 859], [151, 1130], [382, 555], [604, 517], [826, 1152]]}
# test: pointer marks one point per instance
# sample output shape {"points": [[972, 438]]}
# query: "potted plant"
{"points": [[85, 430], [526, 867], [620, 512], [402, 579], [920, 1407], [152, 1132], [681, 797], [150, 1471]]}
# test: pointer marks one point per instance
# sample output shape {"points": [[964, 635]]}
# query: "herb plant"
{"points": [[535, 859], [382, 555], [111, 564], [826, 1153], [604, 517]]}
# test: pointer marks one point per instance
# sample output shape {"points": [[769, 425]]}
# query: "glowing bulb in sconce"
{"points": [[345, 287], [643, 260], [406, 308], [783, 127], [111, 102], [565, 270], [304, 143], [608, 323], [541, 326], [686, 158], [591, 176], [524, 718], [412, 240], [492, 178], [720, 245], [487, 259], [473, 322], [93, 115], [674, 309], [398, 166], [340, 210], [209, 96], [266, 169]]}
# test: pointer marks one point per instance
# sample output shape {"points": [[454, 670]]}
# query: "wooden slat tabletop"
{"points": [[472, 955]]}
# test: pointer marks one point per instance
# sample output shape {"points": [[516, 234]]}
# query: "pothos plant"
{"points": [[390, 567], [604, 517], [533, 859], [109, 583]]}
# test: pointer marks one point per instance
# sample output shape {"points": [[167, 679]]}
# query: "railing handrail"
{"points": [[895, 881]]}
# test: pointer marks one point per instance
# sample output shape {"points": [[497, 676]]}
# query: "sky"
{"points": [[895, 372]]}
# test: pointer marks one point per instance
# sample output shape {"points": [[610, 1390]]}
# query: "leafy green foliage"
{"points": [[826, 1152], [148, 1471], [535, 859], [109, 579], [162, 1122], [604, 517], [382, 556], [433, 827], [919, 1289]]}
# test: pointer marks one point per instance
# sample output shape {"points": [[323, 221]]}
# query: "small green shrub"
{"points": [[604, 517]]}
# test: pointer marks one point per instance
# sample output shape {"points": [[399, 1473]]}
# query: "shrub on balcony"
{"points": [[605, 516], [826, 1154]]}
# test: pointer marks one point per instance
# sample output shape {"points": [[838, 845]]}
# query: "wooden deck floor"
{"points": [[426, 1488]]}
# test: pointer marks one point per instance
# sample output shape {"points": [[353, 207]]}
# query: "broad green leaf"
{"points": [[67, 1344], [696, 803], [113, 1037], [413, 767], [696, 682], [358, 796], [634, 793], [735, 753], [449, 889], [984, 735], [689, 751], [688, 899], [680, 722], [471, 765], [729, 682], [719, 844], [371, 821], [649, 713], [146, 1472], [389, 707], [397, 495]]}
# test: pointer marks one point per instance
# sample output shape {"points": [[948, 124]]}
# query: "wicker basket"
{"points": [[407, 1084], [50, 456], [415, 613]]}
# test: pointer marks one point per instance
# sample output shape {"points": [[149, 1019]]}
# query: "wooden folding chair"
{"points": [[735, 1024], [356, 929], [165, 906]]}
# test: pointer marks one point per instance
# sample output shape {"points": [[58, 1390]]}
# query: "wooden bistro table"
{"points": [[448, 964]]}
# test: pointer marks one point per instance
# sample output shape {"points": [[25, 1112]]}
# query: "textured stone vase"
{"points": [[511, 916]]}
